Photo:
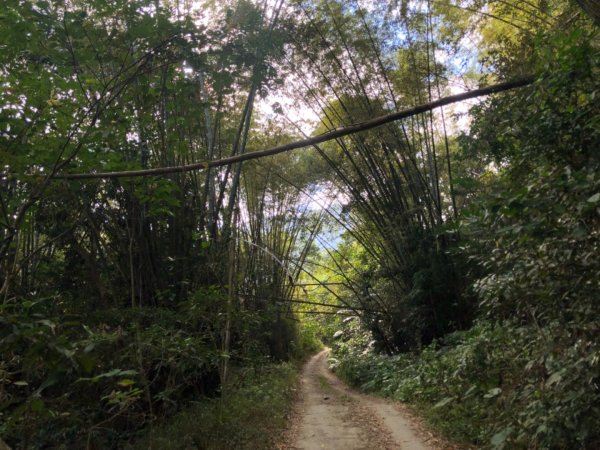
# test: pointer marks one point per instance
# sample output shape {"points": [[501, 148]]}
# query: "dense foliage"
{"points": [[248, 416], [457, 265], [526, 375], [123, 301]]}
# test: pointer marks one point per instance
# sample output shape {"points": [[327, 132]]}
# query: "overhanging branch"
{"points": [[333, 134]]}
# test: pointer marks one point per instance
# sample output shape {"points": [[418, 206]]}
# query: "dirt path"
{"points": [[332, 416]]}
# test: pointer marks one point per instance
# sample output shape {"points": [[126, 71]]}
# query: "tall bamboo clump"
{"points": [[182, 94], [398, 177], [277, 231]]}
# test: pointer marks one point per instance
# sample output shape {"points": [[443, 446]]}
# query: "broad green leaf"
{"points": [[554, 378], [594, 198]]}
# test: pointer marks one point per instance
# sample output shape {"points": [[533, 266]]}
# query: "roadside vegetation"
{"points": [[127, 302], [524, 372], [251, 414]]}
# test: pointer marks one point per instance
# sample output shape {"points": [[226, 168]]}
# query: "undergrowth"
{"points": [[494, 386], [104, 380], [251, 414]]}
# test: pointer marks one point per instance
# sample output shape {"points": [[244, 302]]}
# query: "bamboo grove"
{"points": [[147, 292]]}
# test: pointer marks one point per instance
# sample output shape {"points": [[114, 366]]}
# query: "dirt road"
{"points": [[332, 416]]}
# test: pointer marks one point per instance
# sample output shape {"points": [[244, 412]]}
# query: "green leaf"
{"points": [[443, 402], [126, 382], [499, 439], [554, 378], [493, 393], [65, 351], [470, 391], [594, 198], [48, 323], [88, 348]]}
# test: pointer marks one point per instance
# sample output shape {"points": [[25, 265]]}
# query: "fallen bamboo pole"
{"points": [[333, 134]]}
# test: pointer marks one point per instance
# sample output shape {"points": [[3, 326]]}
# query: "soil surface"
{"points": [[329, 415]]}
